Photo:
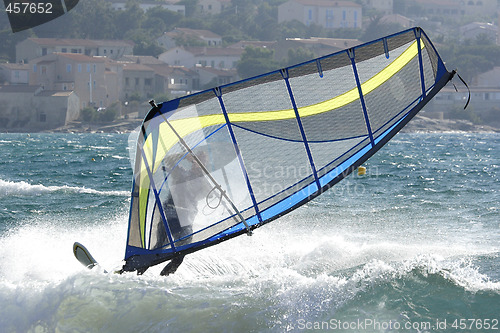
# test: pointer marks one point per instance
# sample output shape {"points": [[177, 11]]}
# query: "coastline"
{"points": [[419, 124], [422, 124]]}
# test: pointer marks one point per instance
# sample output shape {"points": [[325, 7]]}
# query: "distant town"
{"points": [[63, 82]]}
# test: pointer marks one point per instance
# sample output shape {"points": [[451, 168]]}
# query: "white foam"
{"points": [[23, 188]]}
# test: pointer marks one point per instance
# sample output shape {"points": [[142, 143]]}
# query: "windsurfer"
{"points": [[189, 186]]}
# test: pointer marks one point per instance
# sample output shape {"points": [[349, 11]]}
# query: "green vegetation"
{"points": [[255, 61], [473, 57], [103, 115]]}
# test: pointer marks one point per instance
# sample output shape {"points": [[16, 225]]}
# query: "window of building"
{"points": [[79, 68], [64, 50], [148, 82], [88, 68], [74, 51], [44, 51], [68, 68], [42, 117], [34, 68], [136, 81], [127, 82], [329, 14]]}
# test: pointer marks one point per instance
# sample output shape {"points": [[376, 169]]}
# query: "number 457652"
{"points": [[29, 7]]}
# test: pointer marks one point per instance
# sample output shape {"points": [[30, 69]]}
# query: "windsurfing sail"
{"points": [[224, 161]]}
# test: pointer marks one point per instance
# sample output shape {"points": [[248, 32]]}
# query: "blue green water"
{"points": [[412, 246]]}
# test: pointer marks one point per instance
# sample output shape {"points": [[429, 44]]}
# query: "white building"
{"points": [[222, 58], [33, 48], [326, 13], [14, 73], [213, 7], [474, 29]]}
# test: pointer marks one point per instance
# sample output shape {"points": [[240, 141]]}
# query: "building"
{"points": [[213, 7], [329, 14], [138, 79], [442, 8], [183, 36], [86, 76], [478, 8], [221, 58], [484, 90], [33, 48], [145, 60], [212, 77], [14, 73], [30, 108], [175, 81], [474, 29]]}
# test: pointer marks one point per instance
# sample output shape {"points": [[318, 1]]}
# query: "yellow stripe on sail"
{"points": [[189, 125]]}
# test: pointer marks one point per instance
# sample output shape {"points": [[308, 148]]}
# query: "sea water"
{"points": [[411, 246]]}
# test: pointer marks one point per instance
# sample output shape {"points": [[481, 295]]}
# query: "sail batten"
{"points": [[221, 162]]}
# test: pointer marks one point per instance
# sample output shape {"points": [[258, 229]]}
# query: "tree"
{"points": [[129, 19], [169, 18], [94, 19], [377, 29], [255, 61], [145, 43], [296, 56]]}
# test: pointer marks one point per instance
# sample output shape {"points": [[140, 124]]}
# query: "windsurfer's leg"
{"points": [[172, 266]]}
